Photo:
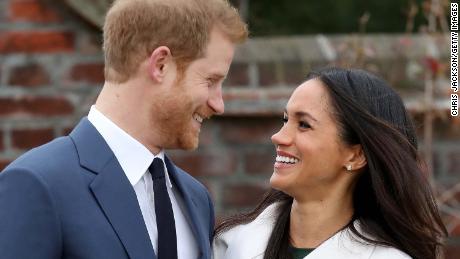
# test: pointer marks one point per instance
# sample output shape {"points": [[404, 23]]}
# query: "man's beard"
{"points": [[174, 118]]}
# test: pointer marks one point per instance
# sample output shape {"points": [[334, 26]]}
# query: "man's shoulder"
{"points": [[189, 180], [52, 156]]}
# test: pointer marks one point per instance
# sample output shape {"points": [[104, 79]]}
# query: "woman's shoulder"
{"points": [[378, 251], [265, 219], [248, 239], [384, 252]]}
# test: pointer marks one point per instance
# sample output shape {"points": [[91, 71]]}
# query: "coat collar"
{"points": [[112, 190], [249, 241], [343, 245]]}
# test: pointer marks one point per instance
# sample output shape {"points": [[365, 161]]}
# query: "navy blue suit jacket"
{"points": [[71, 199]]}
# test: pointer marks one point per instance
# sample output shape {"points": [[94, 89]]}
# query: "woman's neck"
{"points": [[313, 222]]}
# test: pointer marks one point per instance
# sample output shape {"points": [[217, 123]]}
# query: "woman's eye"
{"points": [[285, 120], [304, 125]]}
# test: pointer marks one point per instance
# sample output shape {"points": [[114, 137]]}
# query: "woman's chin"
{"points": [[278, 183]]}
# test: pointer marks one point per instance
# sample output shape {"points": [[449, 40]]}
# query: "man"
{"points": [[108, 190]]}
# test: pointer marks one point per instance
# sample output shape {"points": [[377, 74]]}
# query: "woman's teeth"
{"points": [[287, 160]]}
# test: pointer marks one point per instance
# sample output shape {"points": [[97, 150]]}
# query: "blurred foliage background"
{"points": [[299, 17]]}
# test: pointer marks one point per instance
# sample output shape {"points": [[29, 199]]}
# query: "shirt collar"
{"points": [[134, 158]]}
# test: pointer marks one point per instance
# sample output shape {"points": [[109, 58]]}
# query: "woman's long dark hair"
{"points": [[392, 200]]}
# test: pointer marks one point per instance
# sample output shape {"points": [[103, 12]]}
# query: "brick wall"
{"points": [[51, 70]]}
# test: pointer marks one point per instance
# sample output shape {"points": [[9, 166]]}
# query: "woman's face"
{"points": [[311, 158]]}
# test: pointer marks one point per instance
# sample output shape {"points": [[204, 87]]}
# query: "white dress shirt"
{"points": [[134, 159]]}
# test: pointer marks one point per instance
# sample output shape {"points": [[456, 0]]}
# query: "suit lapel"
{"points": [[113, 191], [118, 200], [190, 205]]}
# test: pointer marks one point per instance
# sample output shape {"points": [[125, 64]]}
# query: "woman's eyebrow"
{"points": [[300, 114]]}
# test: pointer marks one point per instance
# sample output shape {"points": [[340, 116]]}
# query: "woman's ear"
{"points": [[356, 159], [159, 63]]}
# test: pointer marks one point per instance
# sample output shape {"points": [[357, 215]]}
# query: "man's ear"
{"points": [[356, 159], [159, 63]]}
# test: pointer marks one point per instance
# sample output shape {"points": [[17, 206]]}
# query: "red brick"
{"points": [[90, 44], [453, 162], [268, 74], [229, 96], [32, 11], [294, 73], [455, 197], [2, 145], [445, 126], [35, 106], [207, 164], [250, 130], [242, 195], [238, 75], [91, 73], [36, 42], [455, 232], [29, 138], [260, 163], [29, 75], [277, 96], [437, 163], [207, 136], [3, 164], [452, 251]]}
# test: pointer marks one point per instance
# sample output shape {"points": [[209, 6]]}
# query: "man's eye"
{"points": [[211, 81]]}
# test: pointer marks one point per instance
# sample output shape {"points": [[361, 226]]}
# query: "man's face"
{"points": [[196, 95]]}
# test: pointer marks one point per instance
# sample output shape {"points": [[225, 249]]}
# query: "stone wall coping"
{"points": [[331, 47]]}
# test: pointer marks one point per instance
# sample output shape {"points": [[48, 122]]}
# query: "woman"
{"points": [[347, 180]]}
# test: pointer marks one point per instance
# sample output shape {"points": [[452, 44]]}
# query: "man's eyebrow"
{"points": [[216, 76], [300, 114]]}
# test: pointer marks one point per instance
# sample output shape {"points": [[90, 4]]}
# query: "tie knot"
{"points": [[157, 169]]}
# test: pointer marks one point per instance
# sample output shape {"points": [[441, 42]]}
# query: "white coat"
{"points": [[249, 241]]}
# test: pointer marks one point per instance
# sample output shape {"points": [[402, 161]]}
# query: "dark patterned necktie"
{"points": [[167, 242]]}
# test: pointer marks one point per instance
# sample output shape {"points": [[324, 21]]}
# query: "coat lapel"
{"points": [[113, 191], [250, 240], [190, 205], [118, 200], [247, 241], [342, 245]]}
